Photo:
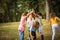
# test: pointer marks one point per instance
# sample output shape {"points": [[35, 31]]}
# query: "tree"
{"points": [[47, 10], [34, 4], [55, 6]]}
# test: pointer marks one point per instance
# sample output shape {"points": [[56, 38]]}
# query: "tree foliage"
{"points": [[11, 10]]}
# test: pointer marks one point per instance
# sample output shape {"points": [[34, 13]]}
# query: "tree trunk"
{"points": [[47, 10]]}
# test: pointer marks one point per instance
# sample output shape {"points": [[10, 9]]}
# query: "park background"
{"points": [[10, 14]]}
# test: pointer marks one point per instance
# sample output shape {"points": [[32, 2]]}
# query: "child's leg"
{"points": [[41, 32], [21, 34], [53, 32], [34, 35], [31, 38], [42, 37], [58, 28]]}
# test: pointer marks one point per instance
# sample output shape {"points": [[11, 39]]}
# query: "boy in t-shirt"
{"points": [[33, 30]]}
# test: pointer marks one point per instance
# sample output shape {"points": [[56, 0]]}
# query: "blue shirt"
{"points": [[32, 29]]}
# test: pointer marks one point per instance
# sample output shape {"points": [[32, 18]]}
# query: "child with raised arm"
{"points": [[22, 25], [53, 23], [40, 28], [30, 21]]}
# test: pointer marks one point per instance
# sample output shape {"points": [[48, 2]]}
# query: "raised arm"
{"points": [[58, 18], [29, 13]]}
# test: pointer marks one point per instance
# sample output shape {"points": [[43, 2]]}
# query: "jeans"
{"points": [[21, 35]]}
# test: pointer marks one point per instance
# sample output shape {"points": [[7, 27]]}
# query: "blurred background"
{"points": [[11, 10]]}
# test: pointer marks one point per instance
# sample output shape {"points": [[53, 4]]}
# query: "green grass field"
{"points": [[9, 31]]}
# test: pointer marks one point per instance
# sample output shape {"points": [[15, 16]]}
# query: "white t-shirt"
{"points": [[39, 19], [30, 21]]}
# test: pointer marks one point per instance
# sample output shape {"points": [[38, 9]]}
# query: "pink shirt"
{"points": [[22, 23]]}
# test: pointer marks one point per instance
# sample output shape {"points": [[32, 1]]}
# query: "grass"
{"points": [[9, 31]]}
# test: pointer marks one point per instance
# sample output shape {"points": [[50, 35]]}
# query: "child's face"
{"points": [[36, 24]]}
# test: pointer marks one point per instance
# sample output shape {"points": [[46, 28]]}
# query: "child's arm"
{"points": [[29, 13], [32, 37], [58, 19], [33, 11]]}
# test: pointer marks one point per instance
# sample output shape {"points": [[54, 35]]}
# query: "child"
{"points": [[33, 30], [30, 21], [40, 28], [22, 25], [53, 23]]}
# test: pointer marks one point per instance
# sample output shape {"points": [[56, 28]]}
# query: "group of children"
{"points": [[34, 21]]}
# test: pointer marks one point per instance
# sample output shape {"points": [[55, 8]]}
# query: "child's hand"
{"points": [[33, 10]]}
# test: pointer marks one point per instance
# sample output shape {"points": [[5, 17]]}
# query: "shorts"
{"points": [[40, 29], [34, 35]]}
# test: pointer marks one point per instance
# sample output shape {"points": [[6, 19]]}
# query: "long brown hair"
{"points": [[52, 14], [39, 13]]}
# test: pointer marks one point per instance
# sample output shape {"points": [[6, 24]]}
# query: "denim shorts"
{"points": [[34, 35]]}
